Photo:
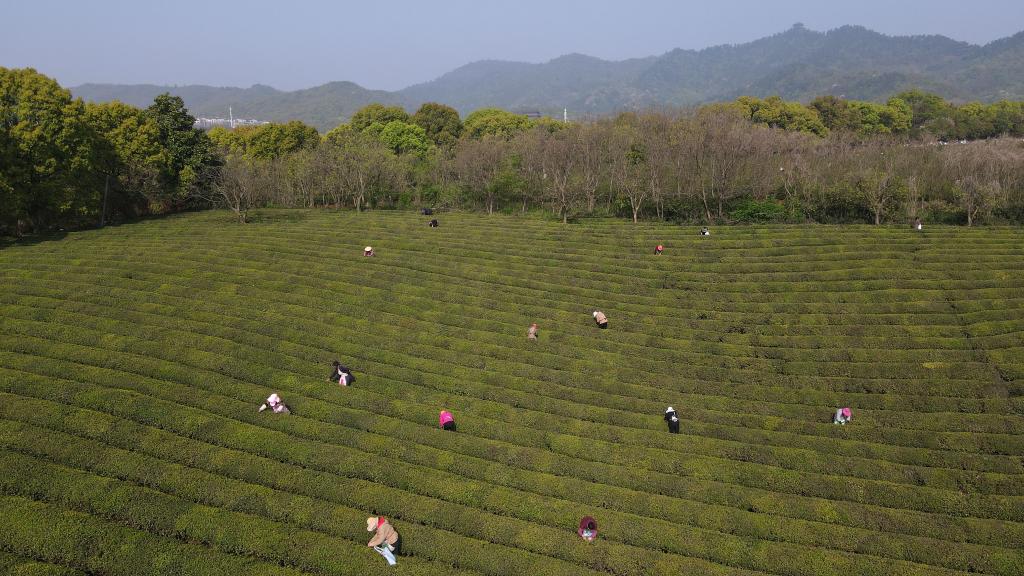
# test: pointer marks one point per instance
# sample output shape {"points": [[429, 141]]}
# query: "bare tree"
{"points": [[241, 185], [655, 137], [975, 170], [629, 168], [593, 148], [478, 162], [724, 142]]}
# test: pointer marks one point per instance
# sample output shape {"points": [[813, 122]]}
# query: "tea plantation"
{"points": [[133, 360]]}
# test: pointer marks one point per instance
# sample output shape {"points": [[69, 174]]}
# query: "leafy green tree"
{"points": [[129, 157], [269, 141], [441, 123], [1008, 118], [337, 134], [495, 122], [926, 108], [226, 140], [898, 116], [975, 121], [374, 113], [45, 152], [404, 138], [872, 118], [549, 124], [777, 113], [191, 153], [835, 113]]}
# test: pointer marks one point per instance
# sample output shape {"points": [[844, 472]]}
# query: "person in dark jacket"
{"points": [[433, 223], [427, 211], [341, 374], [672, 419]]}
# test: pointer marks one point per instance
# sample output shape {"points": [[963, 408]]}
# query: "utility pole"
{"points": [[231, 118], [565, 115]]}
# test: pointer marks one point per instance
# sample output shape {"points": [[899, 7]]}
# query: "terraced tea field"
{"points": [[133, 360]]}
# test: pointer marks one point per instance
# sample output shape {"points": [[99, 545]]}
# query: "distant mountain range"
{"points": [[798, 64]]}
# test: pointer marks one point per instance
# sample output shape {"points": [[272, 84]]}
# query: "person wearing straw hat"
{"points": [[386, 541], [532, 332], [276, 405], [368, 251], [842, 416], [658, 250], [672, 419], [601, 319]]}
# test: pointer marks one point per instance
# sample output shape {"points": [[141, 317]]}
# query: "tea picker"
{"points": [[386, 541]]}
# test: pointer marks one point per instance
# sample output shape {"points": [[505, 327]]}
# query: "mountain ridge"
{"points": [[798, 64]]}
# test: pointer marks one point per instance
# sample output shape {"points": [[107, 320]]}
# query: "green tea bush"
{"points": [[132, 361]]}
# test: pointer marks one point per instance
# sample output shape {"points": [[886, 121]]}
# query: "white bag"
{"points": [[386, 554]]}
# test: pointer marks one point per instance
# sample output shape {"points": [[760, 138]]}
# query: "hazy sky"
{"points": [[390, 44]]}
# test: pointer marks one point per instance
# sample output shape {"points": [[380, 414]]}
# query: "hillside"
{"points": [[797, 64], [324, 106], [133, 360]]}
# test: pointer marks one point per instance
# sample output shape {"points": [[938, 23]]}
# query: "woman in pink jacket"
{"points": [[446, 421]]}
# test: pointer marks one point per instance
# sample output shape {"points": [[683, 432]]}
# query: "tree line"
{"points": [[68, 163]]}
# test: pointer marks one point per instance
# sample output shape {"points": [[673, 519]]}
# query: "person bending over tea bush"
{"points": [[588, 529], [446, 421], [842, 416], [386, 541], [275, 404], [601, 319], [341, 374]]}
